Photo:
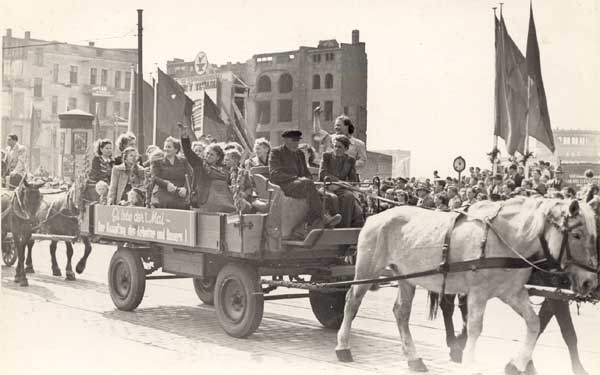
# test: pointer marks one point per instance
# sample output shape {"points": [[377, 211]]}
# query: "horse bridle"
{"points": [[565, 250]]}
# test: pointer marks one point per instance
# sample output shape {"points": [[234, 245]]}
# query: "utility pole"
{"points": [[140, 85]]}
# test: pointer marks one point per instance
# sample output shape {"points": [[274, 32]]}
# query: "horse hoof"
{"points": [[56, 272], [24, 282], [511, 369], [80, 267], [17, 278], [579, 370], [344, 355], [417, 365], [70, 276], [29, 269], [456, 355], [530, 369]]}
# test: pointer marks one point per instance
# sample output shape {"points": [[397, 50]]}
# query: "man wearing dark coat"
{"points": [[287, 168]]}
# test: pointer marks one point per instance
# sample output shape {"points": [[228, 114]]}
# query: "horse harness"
{"points": [[483, 262], [69, 212]]}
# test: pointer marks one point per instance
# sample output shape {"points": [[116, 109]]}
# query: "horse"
{"points": [[19, 210], [482, 261], [61, 217], [550, 308]]}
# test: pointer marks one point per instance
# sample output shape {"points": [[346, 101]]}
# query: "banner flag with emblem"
{"points": [[173, 106]]}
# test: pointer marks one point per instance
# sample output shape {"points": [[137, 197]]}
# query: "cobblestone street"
{"points": [[58, 326]]}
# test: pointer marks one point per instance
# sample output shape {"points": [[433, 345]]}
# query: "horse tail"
{"points": [[434, 304]]}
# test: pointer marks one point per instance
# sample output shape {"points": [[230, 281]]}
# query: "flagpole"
{"points": [[131, 98], [495, 138], [155, 114]]}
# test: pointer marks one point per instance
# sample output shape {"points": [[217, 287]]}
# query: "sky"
{"points": [[431, 63]]}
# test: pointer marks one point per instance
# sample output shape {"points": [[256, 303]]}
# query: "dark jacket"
{"points": [[203, 174], [286, 165], [100, 171], [164, 172], [338, 168]]}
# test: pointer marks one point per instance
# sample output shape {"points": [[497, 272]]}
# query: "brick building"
{"points": [[283, 88], [46, 78]]}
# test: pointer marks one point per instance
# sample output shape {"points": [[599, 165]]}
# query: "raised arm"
{"points": [[186, 146]]}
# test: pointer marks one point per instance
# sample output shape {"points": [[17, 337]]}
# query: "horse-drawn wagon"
{"points": [[235, 260]]}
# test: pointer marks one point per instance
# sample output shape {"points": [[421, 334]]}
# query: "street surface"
{"points": [[56, 326]]}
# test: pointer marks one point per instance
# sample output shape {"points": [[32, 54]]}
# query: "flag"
{"points": [[539, 119], [147, 106], [213, 125], [511, 91], [173, 106]]}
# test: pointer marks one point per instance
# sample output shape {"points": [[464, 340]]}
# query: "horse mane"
{"points": [[527, 214]]}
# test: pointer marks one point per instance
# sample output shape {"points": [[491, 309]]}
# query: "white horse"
{"points": [[409, 239]]}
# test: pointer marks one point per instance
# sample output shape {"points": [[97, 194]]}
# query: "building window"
{"points": [[328, 110], [37, 87], [316, 82], [72, 103], [117, 109], [329, 56], [93, 76], [263, 112], [54, 105], [117, 79], [126, 110], [316, 58], [285, 110], [264, 84], [127, 80], [55, 73], [73, 75], [286, 83], [39, 57], [102, 109], [104, 77], [329, 81]]}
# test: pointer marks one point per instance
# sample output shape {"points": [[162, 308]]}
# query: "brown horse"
{"points": [[409, 239], [61, 217], [23, 205]]}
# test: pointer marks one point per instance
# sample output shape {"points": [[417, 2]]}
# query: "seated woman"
{"points": [[124, 141], [125, 177], [262, 149], [210, 188], [169, 177], [338, 166], [102, 165]]}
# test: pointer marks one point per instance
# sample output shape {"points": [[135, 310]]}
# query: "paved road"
{"points": [[56, 326]]}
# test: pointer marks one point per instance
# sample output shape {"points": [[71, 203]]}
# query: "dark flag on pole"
{"points": [[539, 119], [173, 106], [511, 91], [148, 106]]}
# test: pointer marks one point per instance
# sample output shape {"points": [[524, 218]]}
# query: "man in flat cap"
{"points": [[288, 169]]}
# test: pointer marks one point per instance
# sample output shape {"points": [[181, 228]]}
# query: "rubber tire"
{"points": [[137, 279], [206, 295], [328, 308], [9, 261], [247, 279]]}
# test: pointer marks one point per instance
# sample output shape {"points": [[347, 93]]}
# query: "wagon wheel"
{"points": [[126, 279], [205, 289], [327, 307], [238, 299], [9, 252]]}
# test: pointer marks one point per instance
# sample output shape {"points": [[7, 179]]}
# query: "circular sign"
{"points": [[459, 164], [201, 63]]}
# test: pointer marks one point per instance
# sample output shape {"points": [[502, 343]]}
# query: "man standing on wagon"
{"points": [[288, 169]]}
